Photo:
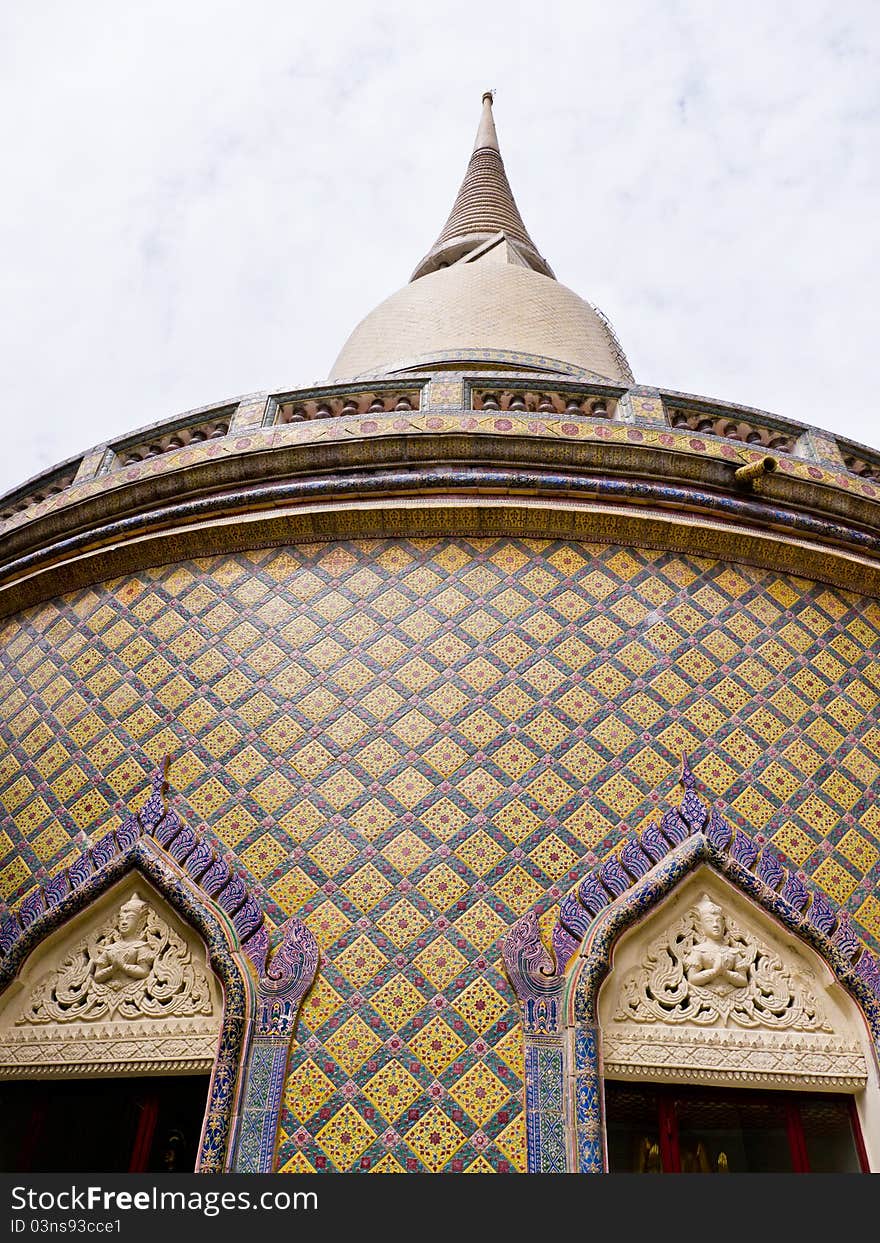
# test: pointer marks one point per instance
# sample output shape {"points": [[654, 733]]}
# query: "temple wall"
{"points": [[409, 743]]}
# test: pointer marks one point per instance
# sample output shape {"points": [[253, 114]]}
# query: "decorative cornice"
{"points": [[83, 1070], [596, 490], [837, 473]]}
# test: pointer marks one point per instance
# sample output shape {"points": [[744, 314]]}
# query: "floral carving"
{"points": [[135, 966], [708, 971]]}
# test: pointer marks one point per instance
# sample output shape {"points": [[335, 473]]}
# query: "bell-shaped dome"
{"points": [[484, 293], [494, 310]]}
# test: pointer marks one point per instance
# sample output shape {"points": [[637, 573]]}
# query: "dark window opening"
{"points": [[144, 1125], [680, 1130]]}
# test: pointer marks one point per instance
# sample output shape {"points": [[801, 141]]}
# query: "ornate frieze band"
{"points": [[828, 1064], [572, 473]]}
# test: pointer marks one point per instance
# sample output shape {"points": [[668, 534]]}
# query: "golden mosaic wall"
{"points": [[409, 743]]}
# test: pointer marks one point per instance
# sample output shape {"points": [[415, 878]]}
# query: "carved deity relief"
{"points": [[711, 993], [135, 966], [708, 971], [124, 988]]}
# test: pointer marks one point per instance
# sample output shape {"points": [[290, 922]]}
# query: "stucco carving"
{"points": [[707, 970], [705, 991], [127, 989], [734, 1057], [135, 966]]}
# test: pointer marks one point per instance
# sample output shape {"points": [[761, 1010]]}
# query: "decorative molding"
{"points": [[129, 1054], [563, 477], [697, 1056]]}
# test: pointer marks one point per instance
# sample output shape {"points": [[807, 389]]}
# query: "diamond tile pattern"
{"points": [[408, 744]]}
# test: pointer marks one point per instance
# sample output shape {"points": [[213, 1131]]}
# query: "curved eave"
{"points": [[458, 515]]}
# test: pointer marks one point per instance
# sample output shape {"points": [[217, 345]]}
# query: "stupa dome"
{"points": [[500, 309], [511, 725], [484, 289]]}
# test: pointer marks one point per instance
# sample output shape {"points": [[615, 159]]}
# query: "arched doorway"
{"points": [[108, 1039], [804, 955], [726, 1044]]}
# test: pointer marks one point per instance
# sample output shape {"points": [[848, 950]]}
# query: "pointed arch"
{"points": [[558, 990], [223, 955], [262, 985]]}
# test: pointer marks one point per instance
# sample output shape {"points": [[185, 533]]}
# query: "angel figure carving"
{"points": [[707, 970], [131, 957], [135, 966], [712, 961]]}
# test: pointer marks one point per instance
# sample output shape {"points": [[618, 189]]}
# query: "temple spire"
{"points": [[484, 207]]}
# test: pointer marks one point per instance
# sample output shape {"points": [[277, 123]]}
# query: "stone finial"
{"points": [[486, 136]]}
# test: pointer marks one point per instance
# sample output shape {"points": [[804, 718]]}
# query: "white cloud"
{"points": [[202, 200]]}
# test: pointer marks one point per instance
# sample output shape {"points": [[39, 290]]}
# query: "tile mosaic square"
{"points": [[435, 1139]]}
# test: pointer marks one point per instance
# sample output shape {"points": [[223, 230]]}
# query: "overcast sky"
{"points": [[202, 198]]}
